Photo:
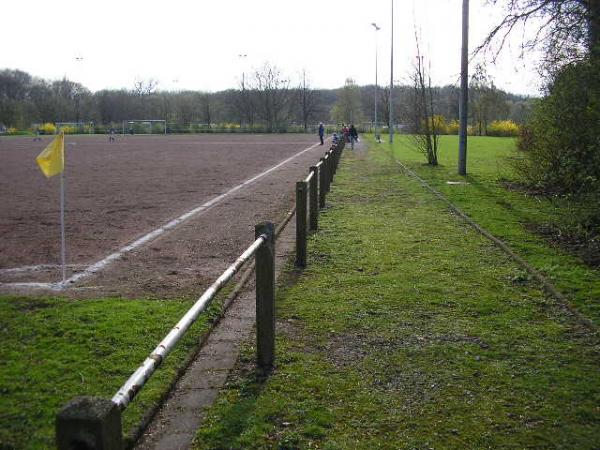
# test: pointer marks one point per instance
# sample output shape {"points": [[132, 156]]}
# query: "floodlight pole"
{"points": [[377, 28], [464, 91], [391, 121]]}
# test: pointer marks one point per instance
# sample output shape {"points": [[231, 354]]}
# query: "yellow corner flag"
{"points": [[52, 158]]}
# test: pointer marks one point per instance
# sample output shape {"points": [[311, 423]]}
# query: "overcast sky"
{"points": [[187, 44]]}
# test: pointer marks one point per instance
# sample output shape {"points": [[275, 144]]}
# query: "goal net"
{"points": [[148, 126]]}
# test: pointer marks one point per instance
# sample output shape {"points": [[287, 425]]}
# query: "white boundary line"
{"points": [[38, 268], [98, 266]]}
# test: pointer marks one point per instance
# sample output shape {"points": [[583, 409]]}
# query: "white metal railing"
{"points": [[137, 380], [95, 423]]}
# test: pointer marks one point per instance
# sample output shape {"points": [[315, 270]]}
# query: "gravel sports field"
{"points": [[118, 192]]}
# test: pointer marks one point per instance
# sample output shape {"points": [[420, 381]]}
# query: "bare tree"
{"points": [[308, 101], [273, 95], [207, 110], [384, 104], [145, 87], [426, 126], [246, 103], [166, 106], [348, 107], [487, 103], [566, 30]]}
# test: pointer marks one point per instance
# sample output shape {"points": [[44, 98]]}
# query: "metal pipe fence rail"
{"points": [[95, 423]]}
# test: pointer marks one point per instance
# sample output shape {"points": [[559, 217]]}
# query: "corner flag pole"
{"points": [[52, 162], [63, 252]]}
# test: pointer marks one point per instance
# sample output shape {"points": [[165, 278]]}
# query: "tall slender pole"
{"points": [[464, 91], [376, 93], [63, 252], [391, 121], [377, 138]]}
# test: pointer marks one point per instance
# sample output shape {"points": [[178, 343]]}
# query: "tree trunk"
{"points": [[594, 26]]}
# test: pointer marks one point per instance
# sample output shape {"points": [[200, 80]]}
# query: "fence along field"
{"points": [[97, 421], [117, 192]]}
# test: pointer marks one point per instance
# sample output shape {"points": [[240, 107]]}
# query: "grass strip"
{"points": [[410, 330], [507, 213]]}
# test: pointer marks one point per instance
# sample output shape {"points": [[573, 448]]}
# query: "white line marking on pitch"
{"points": [[98, 266], [38, 268]]}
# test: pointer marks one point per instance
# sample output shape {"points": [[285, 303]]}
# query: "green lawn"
{"points": [[506, 213], [410, 330], [55, 349]]}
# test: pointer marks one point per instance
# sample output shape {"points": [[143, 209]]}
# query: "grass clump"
{"points": [[409, 330]]}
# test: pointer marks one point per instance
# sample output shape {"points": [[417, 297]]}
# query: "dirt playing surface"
{"points": [[118, 192]]}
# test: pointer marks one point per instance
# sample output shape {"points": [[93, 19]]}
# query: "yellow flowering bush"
{"points": [[68, 129], [503, 128], [452, 127], [48, 128]]}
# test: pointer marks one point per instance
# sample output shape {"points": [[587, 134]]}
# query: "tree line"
{"points": [[266, 100]]}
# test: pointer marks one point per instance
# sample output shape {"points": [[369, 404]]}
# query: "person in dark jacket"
{"points": [[321, 132], [353, 135]]}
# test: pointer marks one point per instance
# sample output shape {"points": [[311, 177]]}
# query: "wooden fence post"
{"points": [[334, 153], [331, 166], [338, 156], [327, 172], [301, 203], [314, 198], [265, 297], [322, 183]]}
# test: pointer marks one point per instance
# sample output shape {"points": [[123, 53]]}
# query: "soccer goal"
{"points": [[148, 126]]}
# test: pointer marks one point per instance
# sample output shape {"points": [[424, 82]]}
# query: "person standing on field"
{"points": [[321, 132], [346, 133], [353, 135]]}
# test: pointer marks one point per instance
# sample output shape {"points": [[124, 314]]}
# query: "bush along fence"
{"points": [[94, 423]]}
